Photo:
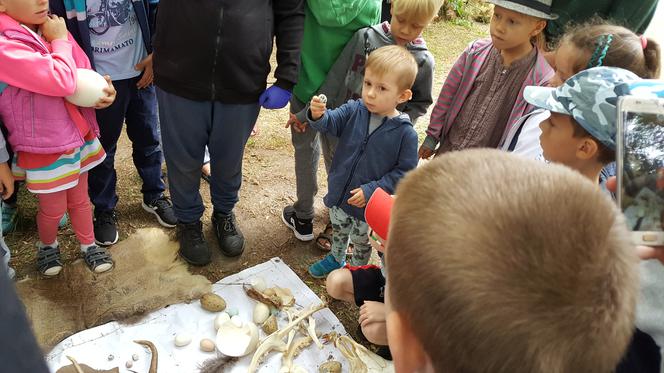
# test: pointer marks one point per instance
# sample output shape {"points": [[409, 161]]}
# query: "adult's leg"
{"points": [[141, 119], [231, 126], [185, 125], [307, 154], [102, 178]]}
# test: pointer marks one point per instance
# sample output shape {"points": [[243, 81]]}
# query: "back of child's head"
{"points": [[396, 61], [422, 11], [502, 264], [603, 44]]}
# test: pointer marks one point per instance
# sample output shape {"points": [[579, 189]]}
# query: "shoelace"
{"points": [[162, 204], [229, 225]]}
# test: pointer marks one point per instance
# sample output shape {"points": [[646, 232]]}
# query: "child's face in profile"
{"points": [[27, 12], [557, 139], [381, 94], [405, 30]]}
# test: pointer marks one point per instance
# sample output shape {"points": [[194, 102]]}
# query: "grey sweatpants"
{"points": [[307, 146]]}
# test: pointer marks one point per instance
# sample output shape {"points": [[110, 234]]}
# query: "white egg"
{"points": [[182, 340], [220, 319], [89, 88], [261, 313]]}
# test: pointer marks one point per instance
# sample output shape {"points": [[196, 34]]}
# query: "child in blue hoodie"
{"points": [[377, 146]]}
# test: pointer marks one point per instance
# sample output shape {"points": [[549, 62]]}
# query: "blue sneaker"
{"points": [[323, 267], [9, 218]]}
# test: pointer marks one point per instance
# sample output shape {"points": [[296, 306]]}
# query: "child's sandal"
{"points": [[98, 259], [48, 261]]}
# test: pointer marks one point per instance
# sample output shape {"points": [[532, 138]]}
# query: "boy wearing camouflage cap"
{"points": [[581, 131]]}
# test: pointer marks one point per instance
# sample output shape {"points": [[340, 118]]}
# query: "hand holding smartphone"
{"points": [[640, 171]]}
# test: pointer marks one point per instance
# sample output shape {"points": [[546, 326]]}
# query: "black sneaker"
{"points": [[162, 208], [106, 228], [193, 248], [231, 240], [303, 228]]}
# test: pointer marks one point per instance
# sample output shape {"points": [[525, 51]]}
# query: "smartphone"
{"points": [[640, 167]]}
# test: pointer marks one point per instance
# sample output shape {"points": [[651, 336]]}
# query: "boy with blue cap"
{"points": [[581, 131]]}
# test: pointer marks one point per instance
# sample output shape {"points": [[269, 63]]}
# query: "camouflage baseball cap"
{"points": [[590, 97]]}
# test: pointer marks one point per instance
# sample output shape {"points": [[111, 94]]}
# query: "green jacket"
{"points": [[328, 26], [633, 14]]}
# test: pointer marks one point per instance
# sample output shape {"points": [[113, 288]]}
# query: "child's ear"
{"points": [[406, 349], [588, 148], [406, 95], [540, 25]]}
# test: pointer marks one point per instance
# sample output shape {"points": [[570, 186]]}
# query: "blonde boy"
{"points": [[532, 275], [344, 82]]}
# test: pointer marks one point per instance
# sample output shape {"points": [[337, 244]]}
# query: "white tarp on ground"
{"points": [[93, 346]]}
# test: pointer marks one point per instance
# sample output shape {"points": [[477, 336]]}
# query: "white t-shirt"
{"points": [[527, 144], [115, 35]]}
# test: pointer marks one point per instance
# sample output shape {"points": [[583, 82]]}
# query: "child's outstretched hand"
{"points": [[424, 152], [357, 199], [146, 67], [105, 102], [53, 28], [317, 106], [6, 181]]}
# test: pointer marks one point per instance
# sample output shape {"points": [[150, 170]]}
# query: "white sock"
{"points": [[42, 245], [84, 248]]}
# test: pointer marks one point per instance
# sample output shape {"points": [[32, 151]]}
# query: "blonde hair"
{"points": [[503, 264], [396, 61], [420, 10]]}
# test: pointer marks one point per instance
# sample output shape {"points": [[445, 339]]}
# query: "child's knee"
{"points": [[376, 333], [339, 283]]}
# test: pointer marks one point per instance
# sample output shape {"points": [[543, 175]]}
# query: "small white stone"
{"points": [[237, 321], [111, 357], [220, 319], [134, 357], [207, 345], [182, 340], [129, 364]]}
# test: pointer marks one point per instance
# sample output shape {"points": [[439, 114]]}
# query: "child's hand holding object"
{"points": [[317, 106], [105, 102], [357, 199]]}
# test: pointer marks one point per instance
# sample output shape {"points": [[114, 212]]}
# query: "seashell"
{"points": [[232, 311], [182, 340], [207, 345], [134, 357], [261, 313], [270, 325], [258, 283], [213, 302], [129, 364], [330, 367], [220, 319], [236, 341]]}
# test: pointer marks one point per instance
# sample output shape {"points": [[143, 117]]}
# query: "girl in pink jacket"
{"points": [[55, 142]]}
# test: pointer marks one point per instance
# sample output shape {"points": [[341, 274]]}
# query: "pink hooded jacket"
{"points": [[38, 76]]}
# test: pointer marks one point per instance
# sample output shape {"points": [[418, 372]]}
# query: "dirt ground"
{"points": [[268, 185]]}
